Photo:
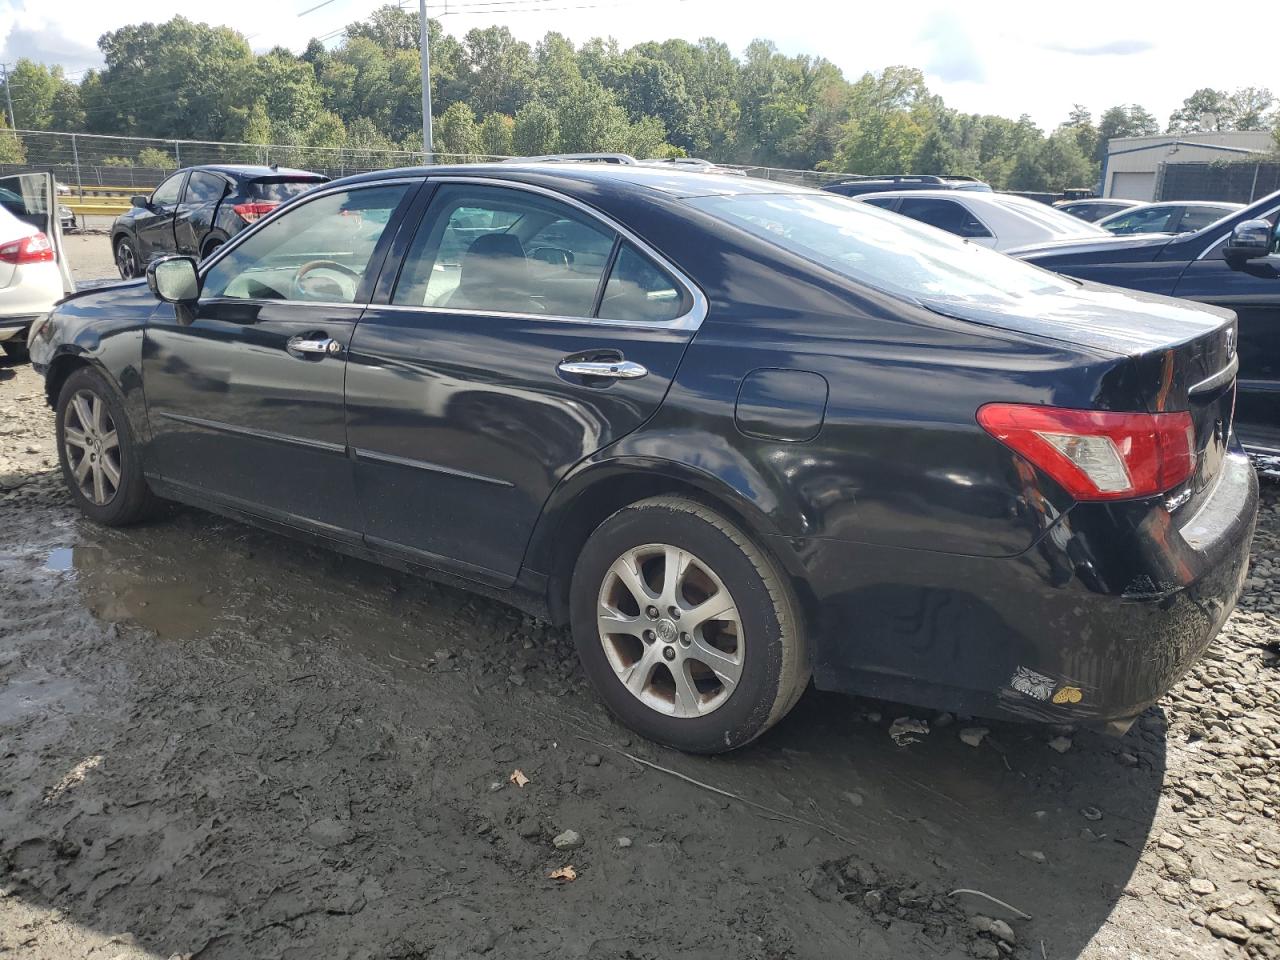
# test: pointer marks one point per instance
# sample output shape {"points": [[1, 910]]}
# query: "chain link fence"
{"points": [[1240, 181], [91, 164]]}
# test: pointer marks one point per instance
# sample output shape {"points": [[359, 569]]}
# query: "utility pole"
{"points": [[8, 98], [425, 53]]}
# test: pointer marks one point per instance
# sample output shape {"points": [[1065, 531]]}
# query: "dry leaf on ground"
{"points": [[567, 874], [518, 778]]}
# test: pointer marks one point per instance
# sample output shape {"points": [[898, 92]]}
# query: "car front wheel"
{"points": [[97, 452], [126, 259], [685, 628]]}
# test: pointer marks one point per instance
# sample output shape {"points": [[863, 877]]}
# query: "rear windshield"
{"points": [[1049, 219], [280, 190], [882, 249]]}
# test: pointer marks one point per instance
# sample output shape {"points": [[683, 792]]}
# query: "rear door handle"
{"points": [[317, 345], [608, 369]]}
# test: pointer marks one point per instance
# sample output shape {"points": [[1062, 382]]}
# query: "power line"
{"points": [[323, 3]]}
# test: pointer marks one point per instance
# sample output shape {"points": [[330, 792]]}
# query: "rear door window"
{"points": [[495, 250], [1145, 220], [204, 188], [1197, 218], [946, 215]]}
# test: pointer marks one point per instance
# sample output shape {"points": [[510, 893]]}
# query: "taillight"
{"points": [[1098, 454], [249, 212], [36, 248]]}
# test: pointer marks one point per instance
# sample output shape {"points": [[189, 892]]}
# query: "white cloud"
{"points": [[998, 56]]}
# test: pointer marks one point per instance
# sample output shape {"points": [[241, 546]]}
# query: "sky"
{"points": [[987, 56]]}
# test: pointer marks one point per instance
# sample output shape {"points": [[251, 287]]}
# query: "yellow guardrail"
{"points": [[86, 190], [96, 208]]}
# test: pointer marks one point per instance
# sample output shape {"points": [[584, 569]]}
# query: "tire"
{"points": [[115, 502], [127, 259], [16, 349], [743, 668], [211, 248]]}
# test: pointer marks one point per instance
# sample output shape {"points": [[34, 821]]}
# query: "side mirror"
{"points": [[174, 279], [1249, 240]]}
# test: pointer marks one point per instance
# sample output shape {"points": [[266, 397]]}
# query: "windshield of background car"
{"points": [[882, 249], [280, 190]]}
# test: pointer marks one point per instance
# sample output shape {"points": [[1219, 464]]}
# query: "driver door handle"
{"points": [[319, 345], [611, 369]]}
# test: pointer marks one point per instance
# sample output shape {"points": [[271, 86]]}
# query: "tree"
{"points": [[889, 112], [1124, 121], [497, 70], [389, 27], [1080, 125], [456, 131], [496, 135], [1251, 108], [1206, 110], [536, 132], [1062, 162], [11, 150], [936, 155]]}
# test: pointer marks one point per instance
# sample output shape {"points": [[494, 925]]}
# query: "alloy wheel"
{"points": [[92, 446], [126, 260], [670, 630]]}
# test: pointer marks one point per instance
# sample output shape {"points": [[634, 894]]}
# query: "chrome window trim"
{"points": [[323, 190], [691, 319], [1227, 236], [270, 302]]}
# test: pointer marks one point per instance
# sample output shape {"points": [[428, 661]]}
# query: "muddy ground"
{"points": [[218, 743]]}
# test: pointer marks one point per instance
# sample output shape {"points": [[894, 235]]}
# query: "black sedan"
{"points": [[735, 434], [198, 209], [1233, 263]]}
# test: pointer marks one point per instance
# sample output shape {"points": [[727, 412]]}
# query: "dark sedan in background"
{"points": [[734, 433], [198, 209], [1233, 263]]}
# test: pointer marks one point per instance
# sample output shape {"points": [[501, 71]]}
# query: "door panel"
{"points": [[459, 416], [245, 389], [154, 226], [33, 199], [1252, 290], [237, 414], [197, 211], [461, 424]]}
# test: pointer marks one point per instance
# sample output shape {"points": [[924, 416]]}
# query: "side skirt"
{"points": [[527, 595]]}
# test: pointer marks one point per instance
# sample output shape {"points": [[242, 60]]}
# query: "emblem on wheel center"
{"points": [[667, 631]]}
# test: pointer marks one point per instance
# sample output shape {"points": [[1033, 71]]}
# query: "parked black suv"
{"points": [[198, 209], [1233, 263], [855, 186]]}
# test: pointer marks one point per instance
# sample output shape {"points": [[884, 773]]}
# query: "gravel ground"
{"points": [[219, 743]]}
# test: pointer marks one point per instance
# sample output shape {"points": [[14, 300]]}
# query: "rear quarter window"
{"points": [[280, 190]]}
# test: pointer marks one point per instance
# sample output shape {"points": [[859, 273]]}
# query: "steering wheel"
{"points": [[301, 291]]}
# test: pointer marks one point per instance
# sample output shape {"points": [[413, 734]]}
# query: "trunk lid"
{"points": [[1183, 355]]}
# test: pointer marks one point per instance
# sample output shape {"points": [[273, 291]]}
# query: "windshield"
{"points": [[882, 249]]}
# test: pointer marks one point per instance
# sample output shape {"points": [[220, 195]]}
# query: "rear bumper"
{"points": [[11, 327], [1095, 623]]}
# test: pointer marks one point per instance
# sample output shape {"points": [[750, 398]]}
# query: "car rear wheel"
{"points": [[211, 248], [685, 627], [97, 452], [126, 259]]}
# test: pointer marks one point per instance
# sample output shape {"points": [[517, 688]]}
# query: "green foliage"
{"points": [[10, 146], [536, 130], [181, 79], [115, 162], [497, 134], [455, 132], [153, 157]]}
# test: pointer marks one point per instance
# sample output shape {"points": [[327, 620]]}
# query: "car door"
{"points": [[524, 332], [196, 213], [1252, 289], [33, 199], [244, 391], [154, 225]]}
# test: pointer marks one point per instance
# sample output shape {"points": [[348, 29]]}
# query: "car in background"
{"points": [[1181, 216], [33, 270], [1093, 209], [994, 220], [732, 432], [1233, 263], [855, 186], [198, 209]]}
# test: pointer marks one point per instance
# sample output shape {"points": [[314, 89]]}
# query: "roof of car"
{"points": [[672, 181], [253, 171]]}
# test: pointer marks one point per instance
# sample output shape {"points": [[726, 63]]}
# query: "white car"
{"points": [[996, 220], [33, 270]]}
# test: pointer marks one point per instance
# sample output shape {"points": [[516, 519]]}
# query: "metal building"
{"points": [[1132, 163]]}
